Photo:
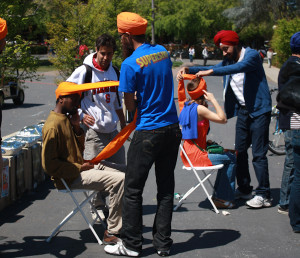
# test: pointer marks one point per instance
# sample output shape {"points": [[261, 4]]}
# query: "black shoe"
{"points": [[163, 253], [283, 210]]}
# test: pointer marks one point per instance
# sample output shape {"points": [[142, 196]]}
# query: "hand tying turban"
{"points": [[295, 43], [131, 23], [3, 29], [226, 37]]}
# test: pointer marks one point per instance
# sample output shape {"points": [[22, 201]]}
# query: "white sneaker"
{"points": [[120, 249], [259, 202]]}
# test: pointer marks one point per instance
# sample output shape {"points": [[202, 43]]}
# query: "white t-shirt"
{"points": [[100, 103], [237, 82]]}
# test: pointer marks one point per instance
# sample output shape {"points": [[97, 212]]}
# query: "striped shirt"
{"points": [[295, 121]]}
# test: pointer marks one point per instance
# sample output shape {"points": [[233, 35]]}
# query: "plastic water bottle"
{"points": [[177, 196]]}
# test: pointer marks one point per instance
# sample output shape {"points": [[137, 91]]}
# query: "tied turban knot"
{"points": [[3, 29], [295, 43], [226, 37], [131, 23]]}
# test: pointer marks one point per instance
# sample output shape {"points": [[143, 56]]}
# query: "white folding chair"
{"points": [[88, 196], [207, 171]]}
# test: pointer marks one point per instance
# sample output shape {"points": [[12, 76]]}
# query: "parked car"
{"points": [[10, 89]]}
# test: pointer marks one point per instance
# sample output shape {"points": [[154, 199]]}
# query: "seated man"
{"points": [[63, 144]]}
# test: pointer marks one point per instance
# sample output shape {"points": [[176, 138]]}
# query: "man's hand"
{"points": [[182, 71], [74, 119], [75, 122], [88, 120], [204, 73], [86, 166]]}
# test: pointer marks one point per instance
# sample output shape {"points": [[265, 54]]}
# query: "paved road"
{"points": [[197, 230]]}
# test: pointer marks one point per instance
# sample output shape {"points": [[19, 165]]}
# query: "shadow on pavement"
{"points": [[36, 245], [200, 239], [8, 106], [10, 213]]}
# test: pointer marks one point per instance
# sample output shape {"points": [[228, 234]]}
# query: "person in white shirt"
{"points": [[205, 55]]}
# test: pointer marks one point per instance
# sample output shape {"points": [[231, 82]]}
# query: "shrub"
{"points": [[281, 39]]}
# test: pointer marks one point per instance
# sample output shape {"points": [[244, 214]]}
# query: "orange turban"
{"points": [[226, 37], [3, 29], [198, 92], [181, 90], [131, 23], [68, 88]]}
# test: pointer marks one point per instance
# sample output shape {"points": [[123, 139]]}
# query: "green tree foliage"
{"points": [[190, 21], [16, 56], [254, 19], [20, 17], [281, 39]]}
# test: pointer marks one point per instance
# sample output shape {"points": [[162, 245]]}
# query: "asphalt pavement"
{"points": [[197, 230]]}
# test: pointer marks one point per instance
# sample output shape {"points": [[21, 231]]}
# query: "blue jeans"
{"points": [[191, 58], [159, 146], [225, 182], [288, 171], [294, 206], [253, 131]]}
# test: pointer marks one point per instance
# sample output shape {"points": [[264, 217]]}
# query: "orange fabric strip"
{"points": [[181, 90], [67, 88], [116, 143]]}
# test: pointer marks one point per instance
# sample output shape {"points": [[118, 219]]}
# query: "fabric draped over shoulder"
{"points": [[67, 88]]}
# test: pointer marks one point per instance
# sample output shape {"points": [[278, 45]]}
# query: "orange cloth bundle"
{"points": [[226, 37], [3, 29], [131, 23], [67, 88]]}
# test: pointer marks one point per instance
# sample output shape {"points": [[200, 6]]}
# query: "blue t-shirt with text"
{"points": [[148, 71]]}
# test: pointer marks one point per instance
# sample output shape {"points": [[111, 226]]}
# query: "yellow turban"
{"points": [[131, 23], [3, 29]]}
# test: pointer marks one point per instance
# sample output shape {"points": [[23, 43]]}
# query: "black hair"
{"points": [[106, 40]]}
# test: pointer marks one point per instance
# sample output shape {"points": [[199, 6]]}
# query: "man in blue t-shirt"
{"points": [[147, 82]]}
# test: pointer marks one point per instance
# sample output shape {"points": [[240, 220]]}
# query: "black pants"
{"points": [[159, 146]]}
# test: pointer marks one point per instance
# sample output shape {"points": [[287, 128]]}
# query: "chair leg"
{"points": [[97, 214], [201, 182], [72, 213]]}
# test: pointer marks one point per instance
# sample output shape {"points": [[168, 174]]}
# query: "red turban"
{"points": [[226, 37], [3, 29], [131, 23]]}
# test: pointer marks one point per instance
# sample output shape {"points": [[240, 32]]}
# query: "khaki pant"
{"points": [[109, 179]]}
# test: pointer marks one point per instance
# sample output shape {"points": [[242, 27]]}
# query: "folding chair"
{"points": [[207, 171], [88, 196]]}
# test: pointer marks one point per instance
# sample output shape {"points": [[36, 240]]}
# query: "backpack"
{"points": [[88, 78]]}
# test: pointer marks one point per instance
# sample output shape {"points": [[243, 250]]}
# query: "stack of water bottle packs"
{"points": [[26, 137]]}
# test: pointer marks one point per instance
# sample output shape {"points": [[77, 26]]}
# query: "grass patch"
{"points": [[48, 68], [177, 63]]}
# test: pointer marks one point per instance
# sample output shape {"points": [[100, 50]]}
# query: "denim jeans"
{"points": [[253, 131], [225, 182], [294, 206], [288, 171], [159, 147]]}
